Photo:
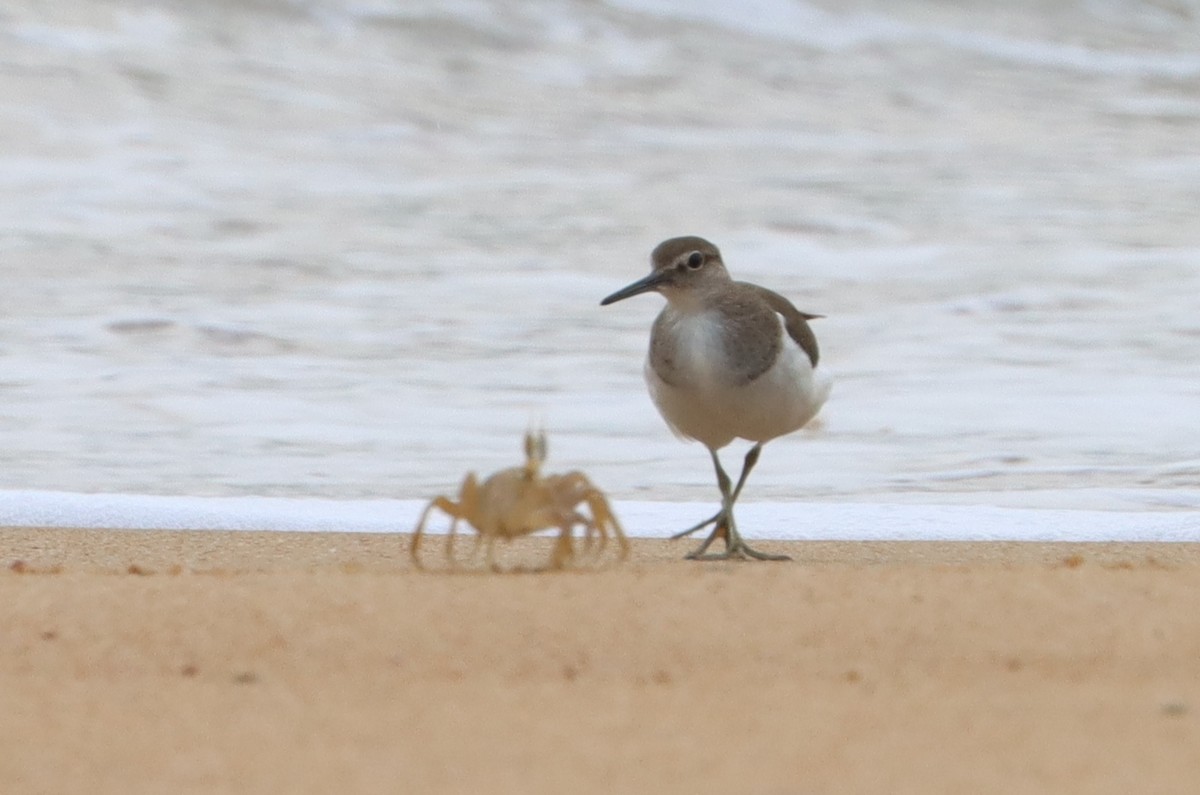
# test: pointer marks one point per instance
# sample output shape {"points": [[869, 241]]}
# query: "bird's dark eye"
{"points": [[695, 260]]}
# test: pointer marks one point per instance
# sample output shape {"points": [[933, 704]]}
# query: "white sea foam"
{"points": [[777, 521]]}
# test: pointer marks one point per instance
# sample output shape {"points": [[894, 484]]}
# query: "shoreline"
{"points": [[91, 550]]}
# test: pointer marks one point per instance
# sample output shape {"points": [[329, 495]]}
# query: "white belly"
{"points": [[710, 409]]}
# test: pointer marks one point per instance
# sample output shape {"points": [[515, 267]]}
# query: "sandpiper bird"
{"points": [[727, 360]]}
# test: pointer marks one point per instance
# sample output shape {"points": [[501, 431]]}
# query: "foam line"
{"points": [[759, 520]]}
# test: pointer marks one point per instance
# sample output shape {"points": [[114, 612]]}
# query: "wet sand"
{"points": [[262, 662]]}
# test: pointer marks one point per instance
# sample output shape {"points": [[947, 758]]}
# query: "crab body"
{"points": [[519, 501]]}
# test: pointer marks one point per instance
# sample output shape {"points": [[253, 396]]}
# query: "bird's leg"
{"points": [[721, 518], [716, 517], [726, 527], [751, 460], [696, 527]]}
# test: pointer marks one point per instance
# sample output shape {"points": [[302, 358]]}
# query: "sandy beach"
{"points": [[270, 662]]}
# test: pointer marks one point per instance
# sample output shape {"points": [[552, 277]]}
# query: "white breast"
{"points": [[699, 355], [704, 406]]}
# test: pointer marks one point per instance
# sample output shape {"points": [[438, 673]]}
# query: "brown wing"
{"points": [[794, 321]]}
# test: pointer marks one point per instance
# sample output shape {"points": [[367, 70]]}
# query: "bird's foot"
{"points": [[736, 547], [716, 517], [741, 552]]}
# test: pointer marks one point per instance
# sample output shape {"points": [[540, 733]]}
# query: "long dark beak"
{"points": [[645, 285]]}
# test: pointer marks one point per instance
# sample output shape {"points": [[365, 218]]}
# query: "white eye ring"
{"points": [[695, 260]]}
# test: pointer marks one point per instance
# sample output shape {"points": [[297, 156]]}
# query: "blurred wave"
{"points": [[352, 249]]}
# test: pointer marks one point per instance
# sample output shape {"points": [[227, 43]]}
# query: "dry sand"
{"points": [[136, 662]]}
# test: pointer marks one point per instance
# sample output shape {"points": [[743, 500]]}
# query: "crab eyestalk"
{"points": [[535, 452]]}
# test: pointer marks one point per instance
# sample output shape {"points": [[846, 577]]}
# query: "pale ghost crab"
{"points": [[518, 501]]}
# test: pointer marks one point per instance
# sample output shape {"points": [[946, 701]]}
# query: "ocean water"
{"points": [[351, 250]]}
